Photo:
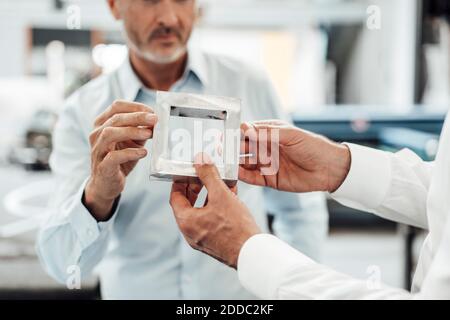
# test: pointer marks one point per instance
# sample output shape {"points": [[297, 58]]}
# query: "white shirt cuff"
{"points": [[87, 228], [368, 180], [263, 261]]}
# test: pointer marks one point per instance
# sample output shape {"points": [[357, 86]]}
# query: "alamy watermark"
{"points": [[73, 281], [73, 16], [373, 17], [373, 281]]}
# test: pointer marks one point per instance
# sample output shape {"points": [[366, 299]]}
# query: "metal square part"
{"points": [[189, 124]]}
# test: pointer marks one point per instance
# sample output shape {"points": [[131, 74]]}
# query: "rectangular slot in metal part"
{"points": [[197, 113]]}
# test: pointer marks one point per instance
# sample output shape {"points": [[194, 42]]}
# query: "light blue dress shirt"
{"points": [[139, 253]]}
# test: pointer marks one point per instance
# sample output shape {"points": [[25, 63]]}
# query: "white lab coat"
{"points": [[400, 187]]}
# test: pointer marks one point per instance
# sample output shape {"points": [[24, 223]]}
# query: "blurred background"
{"points": [[373, 72]]}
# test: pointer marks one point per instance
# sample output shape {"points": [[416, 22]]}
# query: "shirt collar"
{"points": [[129, 83], [196, 63]]}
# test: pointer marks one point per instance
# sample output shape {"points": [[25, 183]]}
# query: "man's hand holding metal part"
{"points": [[117, 143], [304, 162], [221, 227], [397, 186], [307, 163]]}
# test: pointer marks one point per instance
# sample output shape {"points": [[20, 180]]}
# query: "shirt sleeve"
{"points": [[71, 236], [391, 185], [271, 269]]}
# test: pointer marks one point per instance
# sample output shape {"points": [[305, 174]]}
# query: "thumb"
{"points": [[179, 201], [209, 175]]}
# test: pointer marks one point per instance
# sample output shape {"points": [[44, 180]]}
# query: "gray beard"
{"points": [[152, 57]]}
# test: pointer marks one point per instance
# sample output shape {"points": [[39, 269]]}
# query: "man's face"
{"points": [[157, 30]]}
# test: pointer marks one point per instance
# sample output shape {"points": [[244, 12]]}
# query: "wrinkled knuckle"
{"points": [[115, 105], [110, 156], [107, 132], [115, 120], [142, 116]]}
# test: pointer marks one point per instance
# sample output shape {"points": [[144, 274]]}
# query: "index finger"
{"points": [[121, 106], [268, 131], [272, 123], [247, 127]]}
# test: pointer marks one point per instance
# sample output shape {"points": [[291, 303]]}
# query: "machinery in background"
{"points": [[35, 151]]}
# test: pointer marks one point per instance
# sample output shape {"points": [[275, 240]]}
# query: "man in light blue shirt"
{"points": [[135, 246]]}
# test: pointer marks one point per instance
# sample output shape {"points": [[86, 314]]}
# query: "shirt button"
{"points": [[89, 232]]}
